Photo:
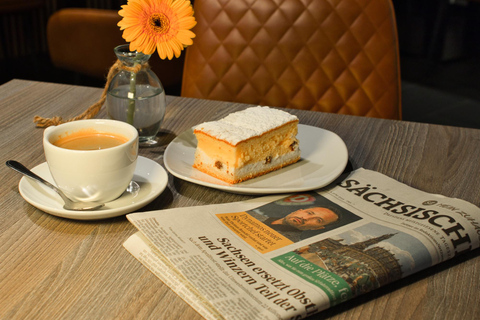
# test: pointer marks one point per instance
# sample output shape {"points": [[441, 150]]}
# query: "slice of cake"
{"points": [[247, 144]]}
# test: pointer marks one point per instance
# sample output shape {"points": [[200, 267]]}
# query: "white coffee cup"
{"points": [[92, 175]]}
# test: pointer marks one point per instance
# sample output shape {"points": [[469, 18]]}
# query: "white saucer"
{"points": [[324, 156], [149, 181]]}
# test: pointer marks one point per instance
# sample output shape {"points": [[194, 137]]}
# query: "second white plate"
{"points": [[324, 156]]}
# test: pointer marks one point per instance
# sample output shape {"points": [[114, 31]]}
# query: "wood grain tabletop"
{"points": [[56, 268]]}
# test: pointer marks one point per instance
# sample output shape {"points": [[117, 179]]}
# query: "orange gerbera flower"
{"points": [[158, 24]]}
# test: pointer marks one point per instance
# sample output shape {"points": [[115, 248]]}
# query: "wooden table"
{"points": [[54, 268]]}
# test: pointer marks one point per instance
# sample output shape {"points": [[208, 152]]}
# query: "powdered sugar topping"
{"points": [[246, 124]]}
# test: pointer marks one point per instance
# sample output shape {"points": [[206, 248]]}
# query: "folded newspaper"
{"points": [[290, 256]]}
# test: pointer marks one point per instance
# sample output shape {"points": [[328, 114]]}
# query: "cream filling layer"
{"points": [[210, 165]]}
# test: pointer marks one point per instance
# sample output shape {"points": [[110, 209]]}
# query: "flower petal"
{"points": [[162, 25]]}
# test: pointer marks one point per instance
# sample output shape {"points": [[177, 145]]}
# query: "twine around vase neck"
{"points": [[93, 110]]}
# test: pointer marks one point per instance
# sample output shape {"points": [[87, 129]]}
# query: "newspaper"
{"points": [[290, 256]]}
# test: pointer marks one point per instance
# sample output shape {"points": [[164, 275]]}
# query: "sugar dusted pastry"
{"points": [[247, 144]]}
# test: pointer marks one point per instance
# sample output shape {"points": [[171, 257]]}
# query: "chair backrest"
{"points": [[337, 56], [82, 40]]}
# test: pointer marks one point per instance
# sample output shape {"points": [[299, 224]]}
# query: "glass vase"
{"points": [[137, 98]]}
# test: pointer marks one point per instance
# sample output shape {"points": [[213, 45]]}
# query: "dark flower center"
{"points": [[159, 23]]}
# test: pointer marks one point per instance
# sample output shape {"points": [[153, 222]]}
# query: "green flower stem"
{"points": [[131, 97]]}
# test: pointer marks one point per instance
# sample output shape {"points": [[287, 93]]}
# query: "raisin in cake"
{"points": [[247, 144]]}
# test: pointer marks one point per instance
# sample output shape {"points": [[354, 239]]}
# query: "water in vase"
{"points": [[148, 113]]}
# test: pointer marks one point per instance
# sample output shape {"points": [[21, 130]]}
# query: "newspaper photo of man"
{"points": [[303, 215], [314, 218]]}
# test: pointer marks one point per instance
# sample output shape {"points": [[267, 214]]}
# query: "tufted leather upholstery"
{"points": [[336, 56]]}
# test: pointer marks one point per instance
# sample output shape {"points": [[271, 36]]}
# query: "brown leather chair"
{"points": [[336, 56], [82, 40]]}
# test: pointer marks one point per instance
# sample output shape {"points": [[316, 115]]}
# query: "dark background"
{"points": [[439, 53]]}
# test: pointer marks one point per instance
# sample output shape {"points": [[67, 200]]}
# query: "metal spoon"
{"points": [[69, 204]]}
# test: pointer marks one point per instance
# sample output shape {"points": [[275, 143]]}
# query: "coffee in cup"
{"points": [[90, 139], [92, 160]]}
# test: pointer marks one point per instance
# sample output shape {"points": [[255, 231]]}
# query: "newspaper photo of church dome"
{"points": [[368, 257]]}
